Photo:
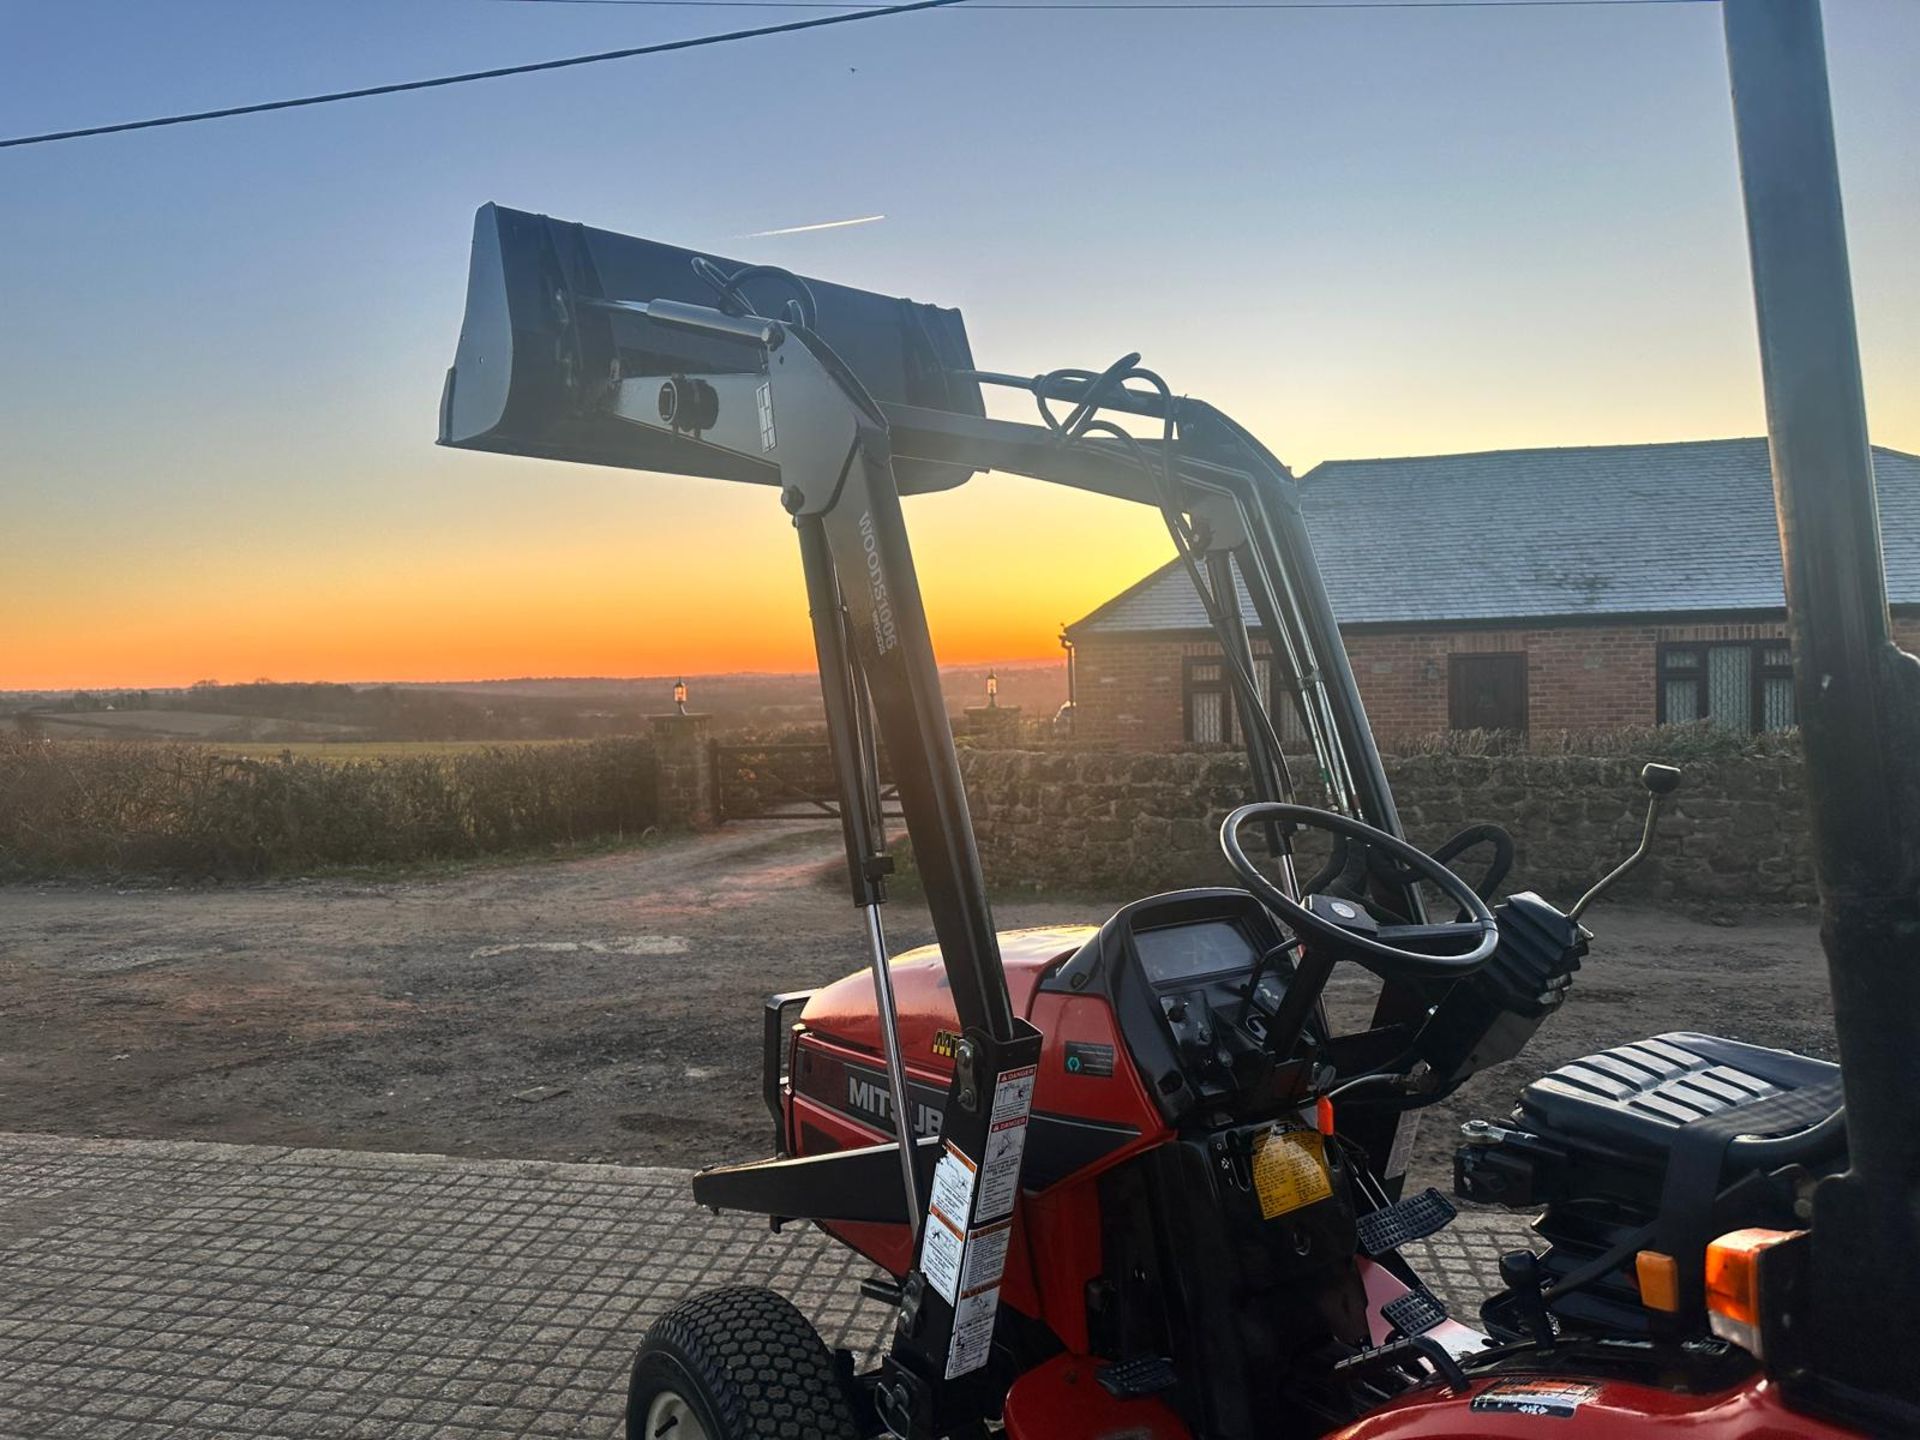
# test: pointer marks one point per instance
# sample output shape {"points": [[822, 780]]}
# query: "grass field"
{"points": [[191, 725], [341, 752], [153, 806]]}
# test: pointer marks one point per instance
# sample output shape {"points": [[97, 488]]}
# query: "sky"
{"points": [[1363, 232]]}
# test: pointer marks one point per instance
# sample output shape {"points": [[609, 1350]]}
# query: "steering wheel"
{"points": [[1347, 927]]}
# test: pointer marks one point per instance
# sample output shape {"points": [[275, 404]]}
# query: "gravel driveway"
{"points": [[607, 1008]]}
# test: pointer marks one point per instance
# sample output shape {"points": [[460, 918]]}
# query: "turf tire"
{"points": [[748, 1364]]}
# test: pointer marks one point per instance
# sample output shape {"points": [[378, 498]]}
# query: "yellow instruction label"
{"points": [[1290, 1170]]}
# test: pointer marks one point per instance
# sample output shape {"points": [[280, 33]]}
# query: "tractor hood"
{"points": [[844, 1011]]}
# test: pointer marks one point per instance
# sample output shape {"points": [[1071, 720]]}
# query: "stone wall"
{"points": [[1133, 823]]}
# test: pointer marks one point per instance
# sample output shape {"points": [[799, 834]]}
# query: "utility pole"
{"points": [[1856, 1330]]}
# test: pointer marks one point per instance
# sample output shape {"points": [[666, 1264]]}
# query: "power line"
{"points": [[1145, 5], [846, 14], [630, 52]]}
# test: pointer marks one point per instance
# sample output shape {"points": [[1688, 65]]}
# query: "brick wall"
{"points": [[1579, 677], [1127, 690]]}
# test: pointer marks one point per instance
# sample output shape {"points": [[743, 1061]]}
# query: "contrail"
{"points": [[823, 225]]}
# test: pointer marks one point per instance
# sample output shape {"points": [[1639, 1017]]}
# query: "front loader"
{"points": [[1127, 1180]]}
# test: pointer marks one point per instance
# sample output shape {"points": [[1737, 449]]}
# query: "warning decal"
{"points": [[986, 1256], [764, 399], [1405, 1132], [964, 1250], [1000, 1174], [944, 1239], [1013, 1096], [940, 1251], [972, 1331], [1560, 1399], [1006, 1143], [953, 1186], [1290, 1170]]}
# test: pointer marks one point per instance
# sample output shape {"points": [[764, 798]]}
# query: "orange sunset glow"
{"points": [[1458, 230], [604, 601]]}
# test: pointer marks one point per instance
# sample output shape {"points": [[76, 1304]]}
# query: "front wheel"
{"points": [[736, 1364]]}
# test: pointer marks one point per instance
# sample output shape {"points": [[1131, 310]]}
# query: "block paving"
{"points": [[161, 1288]]}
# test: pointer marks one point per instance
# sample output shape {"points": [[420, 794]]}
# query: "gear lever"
{"points": [[1520, 1273], [1661, 781]]}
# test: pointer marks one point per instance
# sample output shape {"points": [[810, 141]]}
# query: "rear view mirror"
{"points": [[545, 347]]}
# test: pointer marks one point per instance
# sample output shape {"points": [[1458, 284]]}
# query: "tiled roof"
{"points": [[1517, 534]]}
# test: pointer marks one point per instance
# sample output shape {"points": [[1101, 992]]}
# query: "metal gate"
{"points": [[783, 782]]}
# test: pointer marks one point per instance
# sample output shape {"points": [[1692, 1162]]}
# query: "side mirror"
{"points": [[1660, 781]]}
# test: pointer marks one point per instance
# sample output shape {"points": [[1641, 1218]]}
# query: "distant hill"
{"points": [[1039, 687], [184, 725], [529, 707]]}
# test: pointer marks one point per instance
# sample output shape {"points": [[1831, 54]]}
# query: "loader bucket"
{"points": [[544, 346]]}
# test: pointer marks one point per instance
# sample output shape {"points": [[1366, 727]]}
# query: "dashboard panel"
{"points": [[1172, 954], [1180, 973]]}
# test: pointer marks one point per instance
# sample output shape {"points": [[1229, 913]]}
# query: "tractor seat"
{"points": [[1633, 1098]]}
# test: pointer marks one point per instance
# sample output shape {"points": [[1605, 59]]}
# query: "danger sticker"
{"points": [[1290, 1170], [972, 1331], [1558, 1399], [1013, 1096], [1000, 1171], [1006, 1144]]}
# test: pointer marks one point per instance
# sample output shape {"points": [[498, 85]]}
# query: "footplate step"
{"points": [[1135, 1379], [1404, 1221], [1414, 1313]]}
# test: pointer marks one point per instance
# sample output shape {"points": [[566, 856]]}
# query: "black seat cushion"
{"points": [[1634, 1097]]}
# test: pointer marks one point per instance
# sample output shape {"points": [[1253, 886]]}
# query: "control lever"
{"points": [[1661, 781], [1520, 1273], [1196, 1031]]}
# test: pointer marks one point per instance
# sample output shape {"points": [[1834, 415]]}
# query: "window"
{"points": [[1209, 700], [1211, 718], [1487, 692], [1746, 685]]}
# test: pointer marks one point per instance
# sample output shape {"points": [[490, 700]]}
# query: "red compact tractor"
{"points": [[1127, 1182]]}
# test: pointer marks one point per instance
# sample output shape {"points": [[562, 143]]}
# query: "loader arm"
{"points": [[802, 412], [783, 400]]}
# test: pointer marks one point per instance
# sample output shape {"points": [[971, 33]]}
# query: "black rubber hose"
{"points": [[1098, 387], [728, 288]]}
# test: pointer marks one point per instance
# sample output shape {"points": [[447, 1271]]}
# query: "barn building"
{"points": [[1566, 589]]}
